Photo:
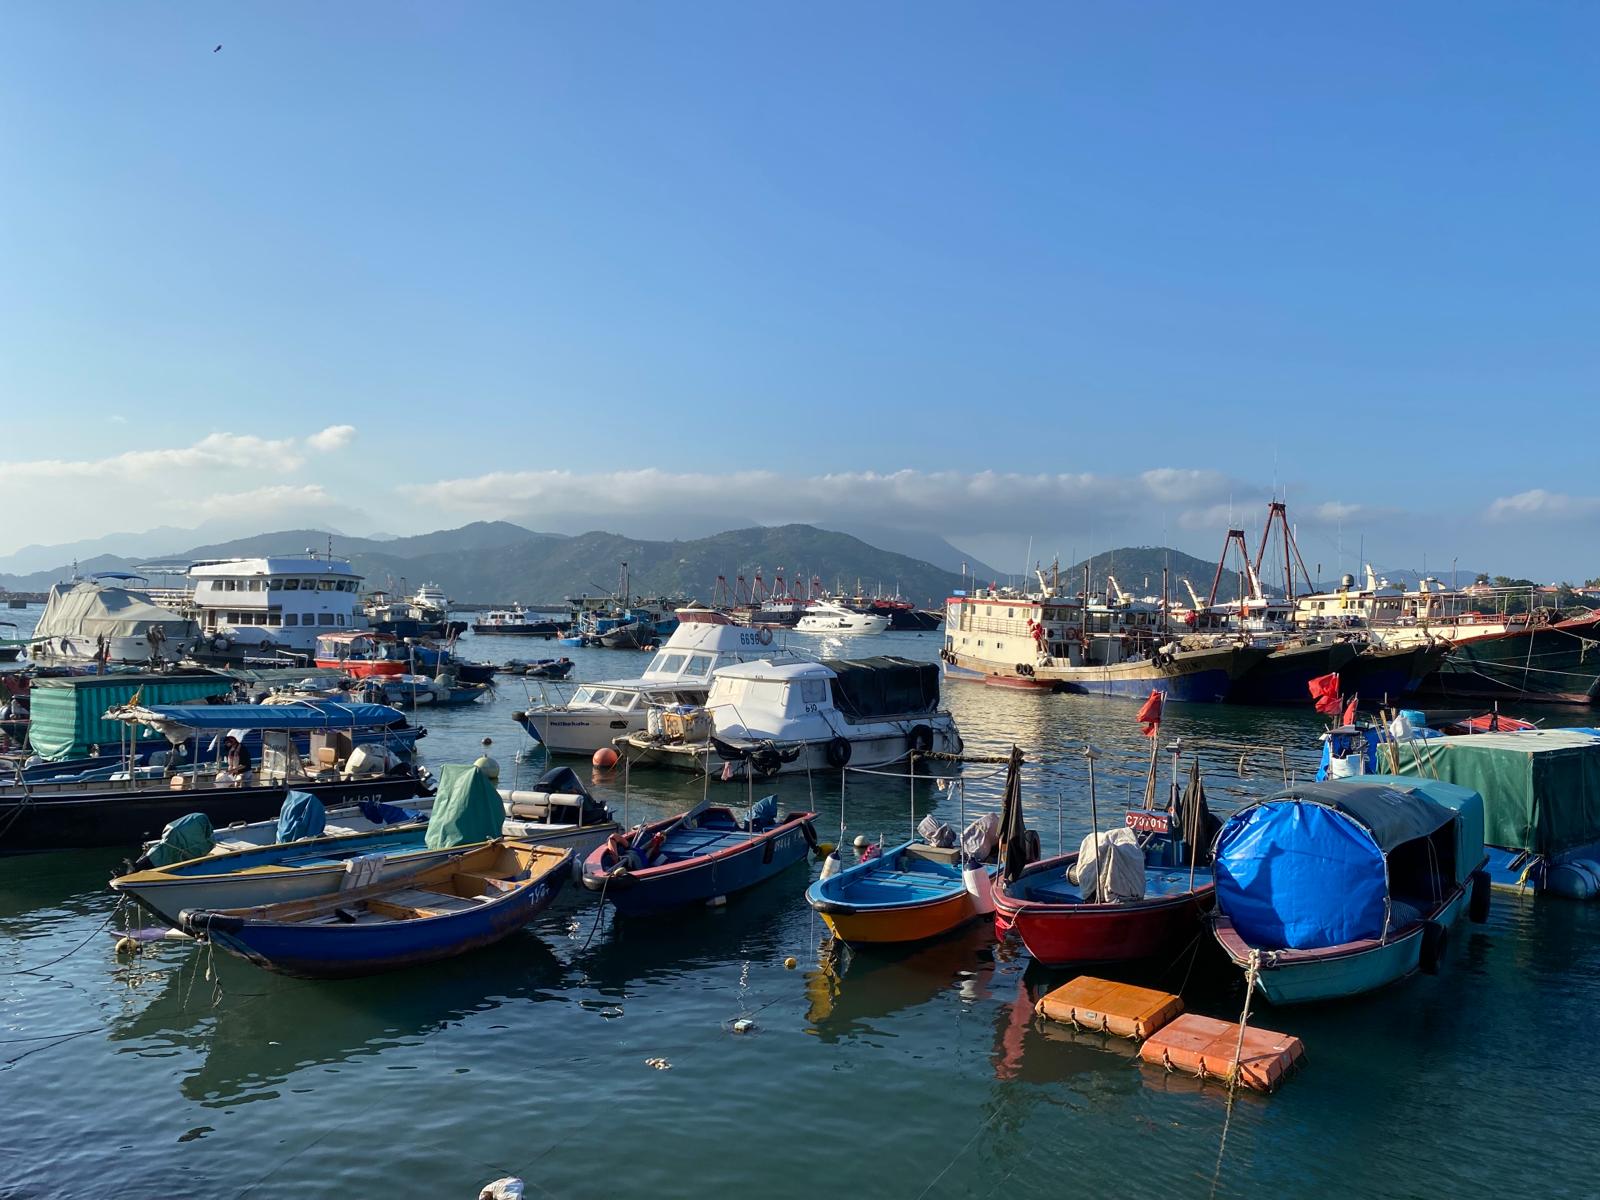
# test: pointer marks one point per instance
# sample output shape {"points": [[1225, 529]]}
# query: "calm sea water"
{"points": [[596, 1058]]}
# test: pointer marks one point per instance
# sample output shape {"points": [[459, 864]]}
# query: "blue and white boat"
{"points": [[308, 850], [1333, 889], [702, 856], [474, 898]]}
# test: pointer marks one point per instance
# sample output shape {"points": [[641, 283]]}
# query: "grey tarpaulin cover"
{"points": [[1119, 854]]}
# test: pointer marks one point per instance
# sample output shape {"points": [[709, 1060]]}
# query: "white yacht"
{"points": [[679, 674], [826, 617], [431, 603], [784, 717], [101, 620]]}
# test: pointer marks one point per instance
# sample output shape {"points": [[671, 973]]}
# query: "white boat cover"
{"points": [[1124, 865], [86, 610]]}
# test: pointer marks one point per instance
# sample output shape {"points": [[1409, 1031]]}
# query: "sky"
{"points": [[1062, 276]]}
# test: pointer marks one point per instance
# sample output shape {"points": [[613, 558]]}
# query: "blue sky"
{"points": [[976, 271]]}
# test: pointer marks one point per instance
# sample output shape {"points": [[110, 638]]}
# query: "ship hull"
{"points": [[1550, 664], [1284, 676], [1193, 676]]}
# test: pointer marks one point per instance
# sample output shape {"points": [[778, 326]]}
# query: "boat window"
{"points": [[623, 701], [813, 691], [602, 697], [325, 585], [274, 618], [690, 697], [341, 618], [231, 586], [583, 696], [274, 585], [699, 664], [291, 618], [671, 664], [324, 618], [999, 645], [291, 585]]}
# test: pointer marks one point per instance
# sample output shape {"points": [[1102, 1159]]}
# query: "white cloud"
{"points": [[215, 451], [946, 502], [1539, 503], [264, 502], [334, 437]]}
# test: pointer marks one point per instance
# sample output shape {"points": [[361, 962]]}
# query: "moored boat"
{"points": [[476, 897], [805, 716], [910, 893], [133, 805], [1130, 893], [1329, 890], [699, 857], [309, 848]]}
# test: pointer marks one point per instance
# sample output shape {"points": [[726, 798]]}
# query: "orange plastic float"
{"points": [[1117, 1008], [1205, 1047]]}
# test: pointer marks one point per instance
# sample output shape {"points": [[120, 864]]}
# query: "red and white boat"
{"points": [[362, 654]]}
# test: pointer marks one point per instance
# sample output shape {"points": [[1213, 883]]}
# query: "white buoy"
{"points": [[980, 886], [831, 865]]}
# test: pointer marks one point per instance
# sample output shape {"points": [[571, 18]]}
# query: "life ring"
{"points": [[765, 636], [839, 752], [920, 739]]}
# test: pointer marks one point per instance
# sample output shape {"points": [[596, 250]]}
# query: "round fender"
{"points": [[920, 739], [765, 636], [1435, 937], [809, 832], [838, 752], [1478, 901]]}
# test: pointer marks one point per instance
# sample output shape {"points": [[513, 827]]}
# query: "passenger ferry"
{"points": [[277, 603], [518, 620]]}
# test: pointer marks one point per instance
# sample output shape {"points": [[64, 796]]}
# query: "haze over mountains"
{"points": [[492, 562], [496, 561]]}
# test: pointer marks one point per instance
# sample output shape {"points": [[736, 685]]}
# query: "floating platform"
{"points": [[1205, 1047], [1116, 1008]]}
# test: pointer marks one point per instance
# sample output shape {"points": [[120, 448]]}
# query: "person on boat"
{"points": [[237, 760]]}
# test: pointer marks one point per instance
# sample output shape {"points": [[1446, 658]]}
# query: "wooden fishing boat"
{"points": [[1059, 925], [1332, 889], [699, 857], [282, 870], [1064, 917], [908, 894], [362, 654], [475, 898]]}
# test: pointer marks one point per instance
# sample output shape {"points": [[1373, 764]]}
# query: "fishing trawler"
{"points": [[1105, 646]]}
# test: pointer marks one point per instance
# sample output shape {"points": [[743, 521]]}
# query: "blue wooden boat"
{"points": [[475, 898], [699, 857], [1334, 889], [908, 894]]}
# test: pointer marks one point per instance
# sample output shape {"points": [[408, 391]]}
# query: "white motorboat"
{"points": [[826, 617], [805, 716], [680, 674]]}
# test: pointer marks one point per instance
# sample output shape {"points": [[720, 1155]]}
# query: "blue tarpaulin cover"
{"points": [[1305, 869], [271, 716], [302, 816]]}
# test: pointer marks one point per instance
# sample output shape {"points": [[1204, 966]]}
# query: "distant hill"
{"points": [[494, 562], [1138, 570]]}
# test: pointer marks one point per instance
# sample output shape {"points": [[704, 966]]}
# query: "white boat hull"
{"points": [[576, 731], [883, 746]]}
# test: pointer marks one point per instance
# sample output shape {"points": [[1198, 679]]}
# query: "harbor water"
{"points": [[600, 1058]]}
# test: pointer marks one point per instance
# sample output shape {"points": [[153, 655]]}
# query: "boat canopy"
{"points": [[883, 686], [466, 808], [1541, 787], [179, 722], [69, 712], [1309, 868], [88, 610]]}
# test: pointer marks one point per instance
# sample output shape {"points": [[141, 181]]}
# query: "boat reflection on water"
{"points": [[852, 988], [265, 1029], [766, 922]]}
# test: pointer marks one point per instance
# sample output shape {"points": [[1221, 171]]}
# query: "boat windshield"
{"points": [[667, 663], [699, 665]]}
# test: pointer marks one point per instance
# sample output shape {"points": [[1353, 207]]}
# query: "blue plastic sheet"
{"points": [[1301, 876], [302, 816]]}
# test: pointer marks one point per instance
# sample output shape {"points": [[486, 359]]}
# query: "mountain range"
{"points": [[498, 562]]}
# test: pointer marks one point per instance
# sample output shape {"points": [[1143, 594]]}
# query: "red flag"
{"points": [[1325, 693], [1350, 709], [1150, 714]]}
